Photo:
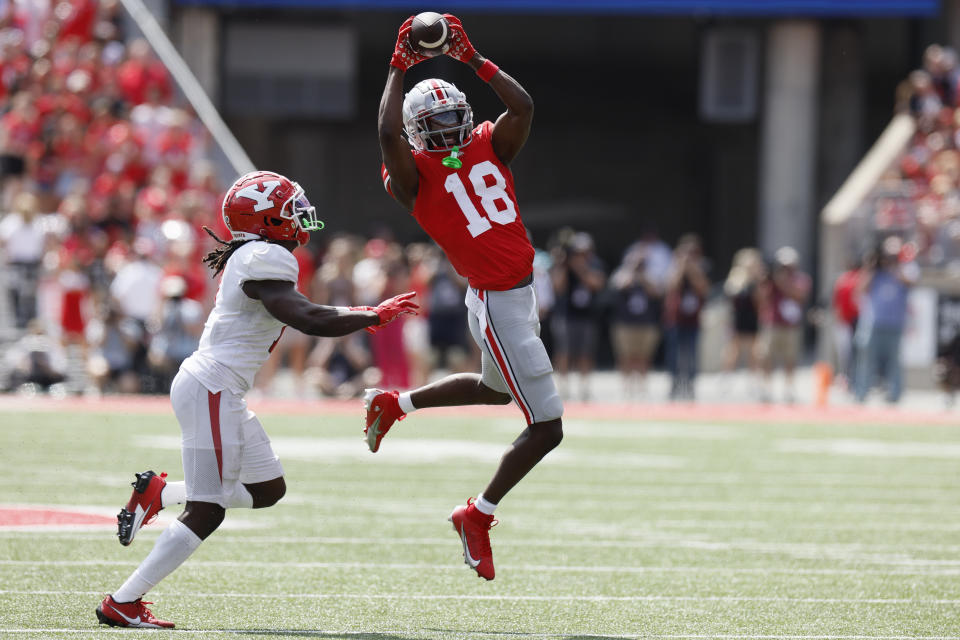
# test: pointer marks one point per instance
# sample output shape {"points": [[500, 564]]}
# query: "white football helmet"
{"points": [[436, 116]]}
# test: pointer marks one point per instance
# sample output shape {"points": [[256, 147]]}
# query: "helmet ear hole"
{"points": [[275, 221]]}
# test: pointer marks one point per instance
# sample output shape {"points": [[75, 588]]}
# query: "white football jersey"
{"points": [[240, 333]]}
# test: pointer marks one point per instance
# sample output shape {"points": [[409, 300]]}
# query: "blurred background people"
{"points": [[578, 278], [116, 341], [178, 330], [389, 346], [686, 292], [22, 235], [885, 282], [341, 367], [783, 297], [846, 309], [638, 307], [453, 350], [742, 291], [947, 369], [36, 362]]}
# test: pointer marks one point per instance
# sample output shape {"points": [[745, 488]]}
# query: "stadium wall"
{"points": [[618, 141]]}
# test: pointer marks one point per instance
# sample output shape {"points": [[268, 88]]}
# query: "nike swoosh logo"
{"points": [[130, 621], [466, 550], [138, 515], [372, 432]]}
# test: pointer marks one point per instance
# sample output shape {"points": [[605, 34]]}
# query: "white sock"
{"points": [[173, 493], [171, 549], [239, 498], [406, 404], [484, 506]]}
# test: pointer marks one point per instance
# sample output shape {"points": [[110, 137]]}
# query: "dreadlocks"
{"points": [[217, 259]]}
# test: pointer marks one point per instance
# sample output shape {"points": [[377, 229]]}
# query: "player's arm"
{"points": [[512, 128], [282, 300], [394, 148]]}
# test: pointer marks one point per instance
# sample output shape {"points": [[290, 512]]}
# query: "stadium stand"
{"points": [[104, 171]]}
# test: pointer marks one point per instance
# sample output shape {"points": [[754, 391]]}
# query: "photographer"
{"points": [[887, 276], [782, 300], [686, 292], [180, 324], [578, 278], [636, 327]]}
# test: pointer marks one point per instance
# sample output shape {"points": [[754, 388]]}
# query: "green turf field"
{"points": [[629, 529]]}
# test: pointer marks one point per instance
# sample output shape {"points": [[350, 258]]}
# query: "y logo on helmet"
{"points": [[262, 198]]}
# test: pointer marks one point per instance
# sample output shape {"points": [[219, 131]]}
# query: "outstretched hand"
{"points": [[404, 55], [460, 47], [388, 310]]}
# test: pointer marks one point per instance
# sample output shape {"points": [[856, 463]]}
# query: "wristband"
{"points": [[487, 70]]}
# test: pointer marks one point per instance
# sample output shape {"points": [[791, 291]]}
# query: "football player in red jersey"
{"points": [[456, 181], [227, 458]]}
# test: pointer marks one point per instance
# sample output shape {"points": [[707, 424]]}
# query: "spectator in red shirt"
{"points": [[76, 19], [846, 308], [175, 148], [140, 72]]}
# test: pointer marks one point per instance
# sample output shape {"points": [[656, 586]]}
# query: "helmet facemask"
{"points": [[304, 213], [444, 128]]}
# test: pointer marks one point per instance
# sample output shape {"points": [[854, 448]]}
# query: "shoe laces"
{"points": [[396, 400], [494, 522]]}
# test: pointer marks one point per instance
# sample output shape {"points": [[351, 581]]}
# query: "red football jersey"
{"points": [[472, 213]]}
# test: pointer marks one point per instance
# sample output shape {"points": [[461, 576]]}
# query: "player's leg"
{"points": [[509, 335], [457, 390], [384, 408], [125, 607], [228, 462], [261, 474], [536, 441]]}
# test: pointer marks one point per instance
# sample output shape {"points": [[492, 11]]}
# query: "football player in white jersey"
{"points": [[227, 458]]}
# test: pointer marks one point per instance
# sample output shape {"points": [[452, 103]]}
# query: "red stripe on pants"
{"points": [[213, 399], [502, 365]]}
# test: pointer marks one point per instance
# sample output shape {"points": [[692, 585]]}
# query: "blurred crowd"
{"points": [[919, 197], [870, 315], [105, 189]]}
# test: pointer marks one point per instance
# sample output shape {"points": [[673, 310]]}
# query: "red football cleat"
{"points": [[129, 614], [143, 507], [474, 529], [383, 410]]}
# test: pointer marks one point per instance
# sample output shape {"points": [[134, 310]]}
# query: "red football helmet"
{"points": [[267, 205]]}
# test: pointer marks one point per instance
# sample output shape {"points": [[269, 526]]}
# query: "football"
{"points": [[429, 34]]}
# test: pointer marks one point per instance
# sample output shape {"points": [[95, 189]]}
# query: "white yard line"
{"points": [[533, 524], [507, 598], [885, 554], [520, 567]]}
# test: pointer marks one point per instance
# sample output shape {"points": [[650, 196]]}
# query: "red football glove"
{"points": [[404, 56], [460, 47], [395, 306]]}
